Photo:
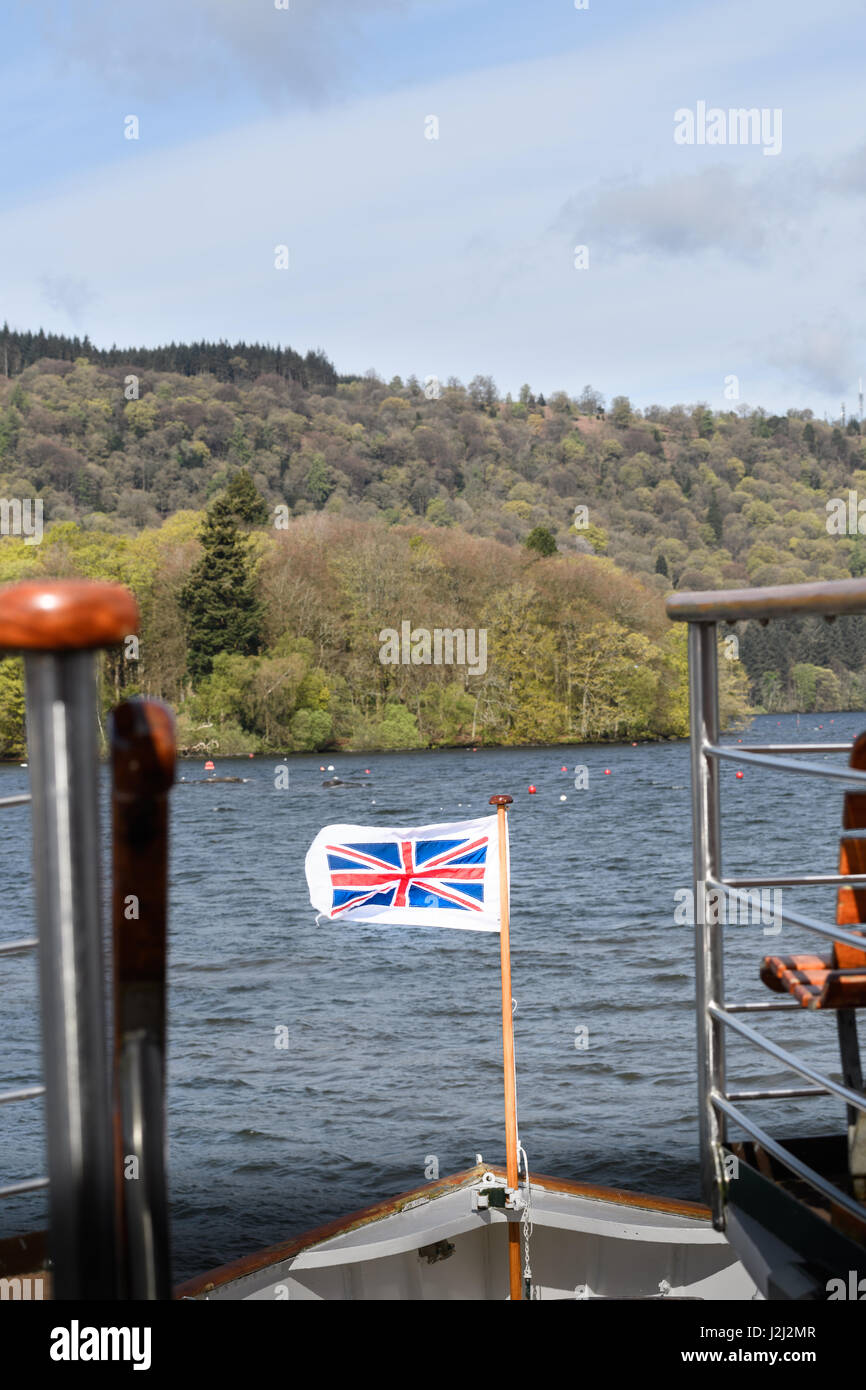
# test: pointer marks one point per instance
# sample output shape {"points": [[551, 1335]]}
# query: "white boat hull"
{"points": [[586, 1242]]}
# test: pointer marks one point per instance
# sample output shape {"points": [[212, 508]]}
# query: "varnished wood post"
{"points": [[142, 768], [514, 1276]]}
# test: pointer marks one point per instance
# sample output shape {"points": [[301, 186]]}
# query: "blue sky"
{"points": [[260, 127]]}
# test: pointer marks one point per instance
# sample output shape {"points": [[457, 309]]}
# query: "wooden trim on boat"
{"points": [[274, 1254]]}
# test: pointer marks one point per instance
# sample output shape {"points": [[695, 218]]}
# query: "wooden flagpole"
{"points": [[514, 1275]]}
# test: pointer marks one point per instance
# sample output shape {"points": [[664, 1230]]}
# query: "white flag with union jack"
{"points": [[426, 876]]}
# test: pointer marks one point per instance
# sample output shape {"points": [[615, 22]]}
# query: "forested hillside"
{"points": [[558, 525]]}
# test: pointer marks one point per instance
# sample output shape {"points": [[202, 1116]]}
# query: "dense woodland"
{"points": [[273, 517]]}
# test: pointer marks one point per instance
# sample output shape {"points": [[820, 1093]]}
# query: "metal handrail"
{"points": [[788, 1059], [58, 627], [702, 612], [795, 747], [23, 1093], [799, 919], [736, 755], [795, 881], [22, 800], [15, 1189], [827, 599], [780, 1093]]}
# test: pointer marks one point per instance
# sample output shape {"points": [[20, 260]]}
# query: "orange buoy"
{"points": [[531, 790]]}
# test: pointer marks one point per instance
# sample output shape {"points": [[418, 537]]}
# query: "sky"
{"points": [[712, 270]]}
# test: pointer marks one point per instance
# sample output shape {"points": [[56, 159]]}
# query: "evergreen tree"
{"points": [[662, 566], [319, 482], [714, 516], [542, 540], [247, 503], [219, 600]]}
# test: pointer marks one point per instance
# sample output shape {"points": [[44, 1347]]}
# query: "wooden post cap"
{"points": [[143, 750], [501, 800], [62, 615]]}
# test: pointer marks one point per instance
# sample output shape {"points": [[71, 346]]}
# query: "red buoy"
{"points": [[532, 791], [563, 769], [607, 772], [208, 767], [739, 774]]}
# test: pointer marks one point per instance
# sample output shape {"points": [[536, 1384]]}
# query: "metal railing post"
{"points": [[63, 758], [58, 626], [707, 855]]}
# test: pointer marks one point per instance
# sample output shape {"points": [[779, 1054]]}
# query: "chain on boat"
{"points": [[526, 1222]]}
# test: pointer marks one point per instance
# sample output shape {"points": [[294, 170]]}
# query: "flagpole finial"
{"points": [[501, 800]]}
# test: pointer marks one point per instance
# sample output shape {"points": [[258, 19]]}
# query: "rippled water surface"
{"points": [[394, 1055]]}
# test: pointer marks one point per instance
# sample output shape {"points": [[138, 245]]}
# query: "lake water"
{"points": [[394, 1055]]}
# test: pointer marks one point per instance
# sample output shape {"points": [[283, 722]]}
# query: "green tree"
{"points": [[219, 599], [620, 411], [319, 483], [541, 540], [311, 729], [805, 680], [11, 708], [398, 728], [771, 689], [857, 558], [246, 501]]}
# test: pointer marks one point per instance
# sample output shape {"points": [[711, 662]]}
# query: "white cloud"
{"points": [[450, 256], [820, 355], [147, 49], [69, 295]]}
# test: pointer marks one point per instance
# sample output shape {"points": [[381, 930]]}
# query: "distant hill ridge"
{"points": [[683, 496], [223, 360]]}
